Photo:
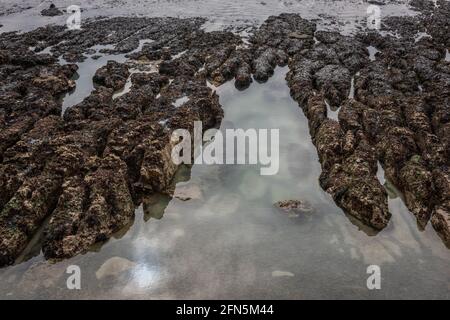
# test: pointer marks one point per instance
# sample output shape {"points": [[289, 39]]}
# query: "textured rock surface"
{"points": [[398, 116], [294, 207]]}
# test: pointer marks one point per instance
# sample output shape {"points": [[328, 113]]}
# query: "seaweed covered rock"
{"points": [[113, 75], [90, 209]]}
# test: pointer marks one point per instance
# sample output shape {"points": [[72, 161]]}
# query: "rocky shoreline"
{"points": [[85, 172]]}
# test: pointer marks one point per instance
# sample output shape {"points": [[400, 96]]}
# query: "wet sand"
{"points": [[348, 14]]}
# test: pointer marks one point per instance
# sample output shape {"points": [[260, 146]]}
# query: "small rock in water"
{"points": [[279, 273], [51, 11], [114, 267], [294, 207], [188, 192]]}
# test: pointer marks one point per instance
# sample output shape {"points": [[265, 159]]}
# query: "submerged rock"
{"points": [[113, 267], [294, 207], [188, 191]]}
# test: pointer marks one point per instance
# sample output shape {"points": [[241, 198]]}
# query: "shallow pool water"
{"points": [[228, 240], [83, 77]]}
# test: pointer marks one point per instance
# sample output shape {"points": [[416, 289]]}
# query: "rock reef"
{"points": [[86, 171]]}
